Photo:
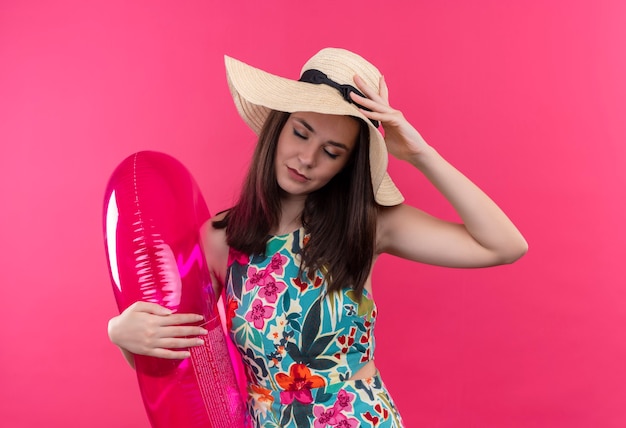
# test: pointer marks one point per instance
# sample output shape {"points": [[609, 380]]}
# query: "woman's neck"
{"points": [[290, 215]]}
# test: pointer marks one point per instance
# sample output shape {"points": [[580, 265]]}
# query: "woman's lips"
{"points": [[295, 175]]}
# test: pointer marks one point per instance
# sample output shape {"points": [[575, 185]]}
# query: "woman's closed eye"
{"points": [[331, 154], [303, 136], [299, 134]]}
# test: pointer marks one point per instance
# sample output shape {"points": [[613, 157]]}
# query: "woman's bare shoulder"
{"points": [[215, 246]]}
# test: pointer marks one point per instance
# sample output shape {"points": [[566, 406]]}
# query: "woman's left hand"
{"points": [[403, 140]]}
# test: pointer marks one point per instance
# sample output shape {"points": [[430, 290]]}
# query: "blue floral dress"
{"points": [[300, 344]]}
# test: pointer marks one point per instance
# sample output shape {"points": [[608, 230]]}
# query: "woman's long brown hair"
{"points": [[340, 217]]}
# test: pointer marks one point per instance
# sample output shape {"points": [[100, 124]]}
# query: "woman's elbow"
{"points": [[514, 251]]}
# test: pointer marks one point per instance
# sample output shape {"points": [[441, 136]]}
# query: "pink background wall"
{"points": [[528, 98]]}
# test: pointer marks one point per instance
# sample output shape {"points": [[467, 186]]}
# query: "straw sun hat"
{"points": [[326, 81]]}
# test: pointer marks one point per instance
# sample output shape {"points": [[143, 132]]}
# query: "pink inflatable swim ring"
{"points": [[153, 210]]}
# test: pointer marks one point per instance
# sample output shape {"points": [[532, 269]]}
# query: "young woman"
{"points": [[296, 252]]}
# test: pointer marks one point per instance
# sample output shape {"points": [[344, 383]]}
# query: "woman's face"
{"points": [[312, 148]]}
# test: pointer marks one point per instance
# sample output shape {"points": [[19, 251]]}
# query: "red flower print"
{"points": [[231, 307], [346, 341], [300, 284], [373, 419], [318, 281], [303, 285], [381, 410], [258, 313], [297, 384]]}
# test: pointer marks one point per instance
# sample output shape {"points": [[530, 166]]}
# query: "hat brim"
{"points": [[256, 92]]}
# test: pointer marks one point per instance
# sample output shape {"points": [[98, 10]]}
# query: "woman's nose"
{"points": [[307, 155]]}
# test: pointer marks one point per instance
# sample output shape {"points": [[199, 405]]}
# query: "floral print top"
{"points": [[293, 336]]}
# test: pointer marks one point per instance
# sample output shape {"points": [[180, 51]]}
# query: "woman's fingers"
{"points": [[376, 103], [380, 97], [165, 316], [178, 319], [376, 108], [384, 90], [181, 332], [179, 342], [365, 88], [365, 102], [171, 347], [380, 112]]}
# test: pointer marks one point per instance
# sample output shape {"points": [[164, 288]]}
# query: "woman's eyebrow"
{"points": [[310, 128], [304, 123], [339, 145]]}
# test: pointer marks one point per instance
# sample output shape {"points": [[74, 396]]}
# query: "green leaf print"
{"points": [[236, 279], [301, 413], [319, 346], [248, 335], [287, 410], [322, 396], [257, 259], [276, 244], [295, 245], [286, 301], [295, 325], [311, 325], [312, 344], [240, 336], [334, 388], [294, 352], [255, 337], [321, 363], [360, 348]]}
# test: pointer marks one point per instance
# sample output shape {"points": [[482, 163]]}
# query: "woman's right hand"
{"points": [[149, 329]]}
